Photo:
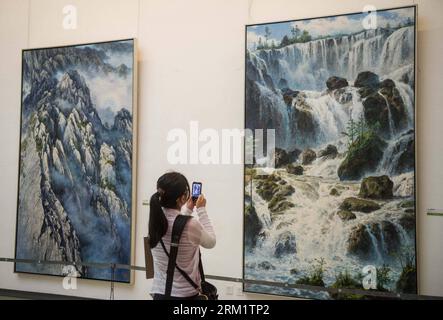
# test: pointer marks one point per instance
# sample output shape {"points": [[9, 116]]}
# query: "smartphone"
{"points": [[196, 190]]}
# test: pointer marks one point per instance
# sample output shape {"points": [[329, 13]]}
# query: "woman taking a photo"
{"points": [[171, 199]]}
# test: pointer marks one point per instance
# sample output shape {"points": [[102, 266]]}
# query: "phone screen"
{"points": [[196, 189]]}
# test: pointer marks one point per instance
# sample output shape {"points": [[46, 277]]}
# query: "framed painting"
{"points": [[76, 187], [338, 207]]}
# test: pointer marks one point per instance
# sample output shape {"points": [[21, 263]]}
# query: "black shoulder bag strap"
{"points": [[200, 266], [182, 272], [177, 230]]}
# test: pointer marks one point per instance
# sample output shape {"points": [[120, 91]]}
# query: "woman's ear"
{"points": [[182, 200]]}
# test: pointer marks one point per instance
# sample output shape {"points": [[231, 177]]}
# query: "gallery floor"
{"points": [[6, 294]]}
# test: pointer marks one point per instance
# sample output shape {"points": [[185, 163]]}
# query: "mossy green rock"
{"points": [[266, 265], [330, 152], [293, 271], [367, 79], [334, 83], [285, 244], [295, 170], [267, 186], [407, 204], [346, 215], [283, 157], [360, 205], [253, 226], [376, 188], [360, 242], [364, 155], [278, 207], [308, 156], [391, 236], [383, 106], [273, 191], [408, 221]]}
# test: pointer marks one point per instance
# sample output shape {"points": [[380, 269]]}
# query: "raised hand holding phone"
{"points": [[201, 201], [190, 204], [196, 190]]}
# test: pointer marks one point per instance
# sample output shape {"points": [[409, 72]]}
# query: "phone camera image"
{"points": [[196, 190]]}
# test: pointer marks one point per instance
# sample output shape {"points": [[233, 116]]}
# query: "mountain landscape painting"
{"points": [[340, 199], [76, 154]]}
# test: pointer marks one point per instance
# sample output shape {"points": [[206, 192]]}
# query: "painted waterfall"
{"points": [[75, 180], [342, 195]]}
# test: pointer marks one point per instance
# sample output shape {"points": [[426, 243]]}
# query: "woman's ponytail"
{"points": [[170, 187], [158, 224]]}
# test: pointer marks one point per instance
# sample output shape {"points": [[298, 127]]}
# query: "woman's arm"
{"points": [[207, 238], [201, 232], [185, 210]]}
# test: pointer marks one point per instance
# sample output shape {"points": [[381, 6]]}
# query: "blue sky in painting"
{"points": [[344, 24]]}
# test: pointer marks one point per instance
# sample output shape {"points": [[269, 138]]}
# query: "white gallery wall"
{"points": [[191, 67]]}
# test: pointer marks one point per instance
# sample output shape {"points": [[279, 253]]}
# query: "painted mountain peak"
{"points": [[341, 100], [75, 183]]}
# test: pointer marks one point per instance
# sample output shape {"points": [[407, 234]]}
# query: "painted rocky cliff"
{"points": [[75, 169]]}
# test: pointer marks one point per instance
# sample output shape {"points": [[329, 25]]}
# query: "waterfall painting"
{"points": [[76, 173], [337, 207]]}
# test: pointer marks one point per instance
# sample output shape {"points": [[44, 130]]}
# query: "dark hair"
{"points": [[170, 187]]}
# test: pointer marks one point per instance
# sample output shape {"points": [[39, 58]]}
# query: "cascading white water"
{"points": [[331, 116], [378, 252], [387, 160], [301, 64], [390, 120], [398, 50], [393, 151], [319, 232], [308, 65], [407, 95], [281, 113]]}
